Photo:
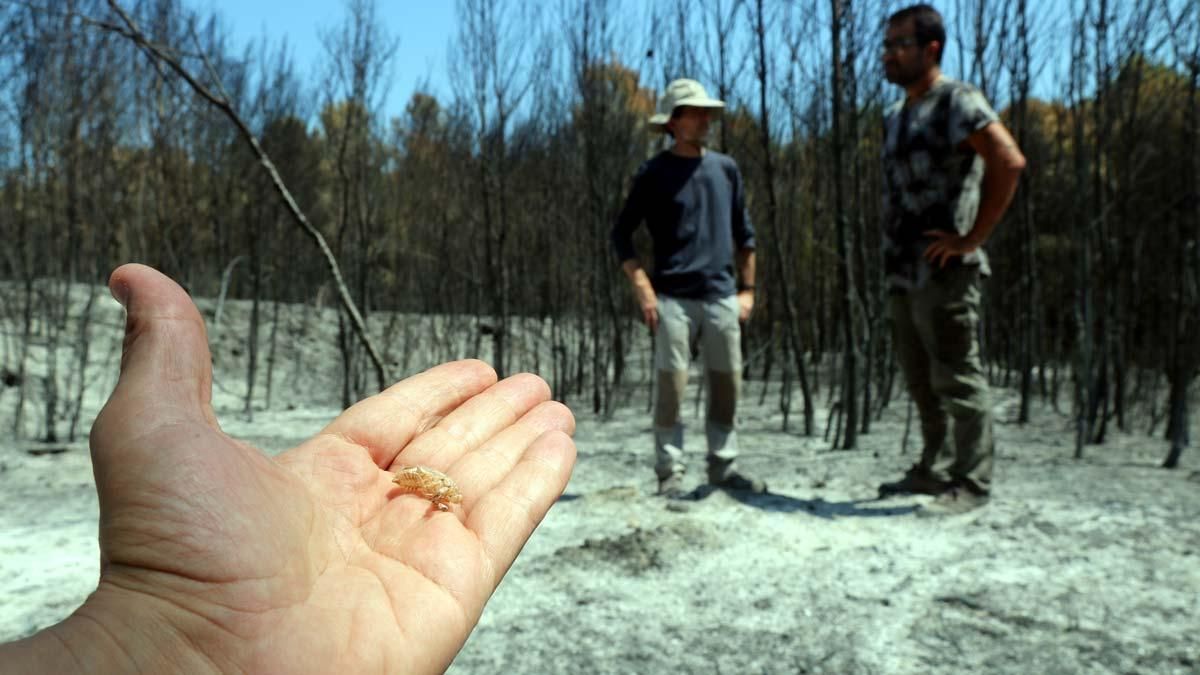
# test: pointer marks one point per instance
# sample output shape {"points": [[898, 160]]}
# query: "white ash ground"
{"points": [[1088, 566], [1075, 567]]}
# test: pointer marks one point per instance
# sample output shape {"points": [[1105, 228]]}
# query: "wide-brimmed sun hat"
{"points": [[681, 92]]}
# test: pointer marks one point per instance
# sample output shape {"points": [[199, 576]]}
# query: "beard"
{"points": [[899, 75]]}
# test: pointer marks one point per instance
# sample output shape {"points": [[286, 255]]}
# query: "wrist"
{"points": [[79, 644], [973, 238], [745, 288], [98, 638], [47, 651]]}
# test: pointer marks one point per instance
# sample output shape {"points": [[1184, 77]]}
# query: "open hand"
{"points": [[216, 557]]}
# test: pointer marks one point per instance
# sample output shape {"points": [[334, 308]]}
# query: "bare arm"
{"points": [[745, 268], [644, 290], [1003, 164], [745, 271]]}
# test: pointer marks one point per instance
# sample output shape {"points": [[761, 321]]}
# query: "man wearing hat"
{"points": [[702, 284]]}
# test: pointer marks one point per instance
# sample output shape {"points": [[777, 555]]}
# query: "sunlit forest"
{"points": [[139, 131]]}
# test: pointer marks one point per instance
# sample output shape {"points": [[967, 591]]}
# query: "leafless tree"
{"points": [[360, 54], [166, 57], [849, 397], [492, 76], [720, 20], [1020, 78], [1184, 350], [762, 62], [113, 154]]}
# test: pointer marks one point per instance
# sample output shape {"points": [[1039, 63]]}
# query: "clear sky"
{"points": [[424, 29]]}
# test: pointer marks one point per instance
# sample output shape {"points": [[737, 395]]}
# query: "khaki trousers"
{"points": [[712, 326]]}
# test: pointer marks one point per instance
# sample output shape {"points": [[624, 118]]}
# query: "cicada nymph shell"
{"points": [[431, 484]]}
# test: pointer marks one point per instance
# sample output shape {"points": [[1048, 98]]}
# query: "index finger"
{"points": [[385, 423], [505, 517]]}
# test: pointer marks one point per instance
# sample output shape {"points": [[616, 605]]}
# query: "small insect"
{"points": [[431, 484]]}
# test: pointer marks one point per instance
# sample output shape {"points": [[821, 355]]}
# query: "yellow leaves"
{"points": [[341, 115], [612, 92], [423, 129], [622, 84]]}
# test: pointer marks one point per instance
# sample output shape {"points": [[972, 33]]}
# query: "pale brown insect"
{"points": [[431, 484]]}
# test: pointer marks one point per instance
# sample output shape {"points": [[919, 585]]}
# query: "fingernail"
{"points": [[120, 292]]}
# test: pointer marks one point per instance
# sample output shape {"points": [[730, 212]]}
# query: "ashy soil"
{"points": [[1075, 566]]}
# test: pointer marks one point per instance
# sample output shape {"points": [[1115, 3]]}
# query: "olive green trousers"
{"points": [[935, 330]]}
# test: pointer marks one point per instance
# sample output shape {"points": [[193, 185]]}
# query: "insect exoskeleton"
{"points": [[431, 484]]}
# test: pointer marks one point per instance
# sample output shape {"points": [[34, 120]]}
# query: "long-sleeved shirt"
{"points": [[695, 209]]}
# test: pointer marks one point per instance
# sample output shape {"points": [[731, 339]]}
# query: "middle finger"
{"points": [[481, 470], [474, 422]]}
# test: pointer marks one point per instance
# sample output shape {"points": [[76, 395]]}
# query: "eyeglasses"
{"points": [[896, 45]]}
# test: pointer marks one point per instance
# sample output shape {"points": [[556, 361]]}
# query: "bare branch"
{"points": [[160, 55]]}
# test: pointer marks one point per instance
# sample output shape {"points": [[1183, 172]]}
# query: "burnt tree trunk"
{"points": [[849, 397]]}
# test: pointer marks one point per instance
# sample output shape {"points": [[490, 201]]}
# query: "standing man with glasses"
{"points": [[702, 286], [950, 171]]}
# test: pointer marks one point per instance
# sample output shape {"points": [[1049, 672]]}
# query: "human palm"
{"points": [[312, 561]]}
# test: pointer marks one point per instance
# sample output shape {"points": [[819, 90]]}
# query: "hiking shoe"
{"points": [[671, 487], [954, 500], [739, 482], [916, 481]]}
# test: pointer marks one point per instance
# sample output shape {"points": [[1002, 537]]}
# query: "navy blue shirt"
{"points": [[695, 209]]}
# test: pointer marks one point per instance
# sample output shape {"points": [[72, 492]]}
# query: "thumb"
{"points": [[166, 368]]}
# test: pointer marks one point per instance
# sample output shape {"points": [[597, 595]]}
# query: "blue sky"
{"points": [[424, 29]]}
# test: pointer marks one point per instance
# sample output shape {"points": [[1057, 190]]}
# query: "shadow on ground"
{"points": [[780, 503]]}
